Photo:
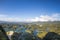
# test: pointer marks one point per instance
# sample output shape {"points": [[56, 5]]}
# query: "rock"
{"points": [[51, 36]]}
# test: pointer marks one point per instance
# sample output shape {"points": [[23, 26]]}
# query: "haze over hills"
{"points": [[31, 22], [41, 18]]}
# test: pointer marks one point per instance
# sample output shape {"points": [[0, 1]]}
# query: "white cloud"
{"points": [[1, 15], [10, 19], [53, 17]]}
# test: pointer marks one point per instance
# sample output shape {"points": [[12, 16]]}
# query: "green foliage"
{"points": [[41, 27]]}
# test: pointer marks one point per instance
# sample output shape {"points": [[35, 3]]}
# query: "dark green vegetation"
{"points": [[24, 36], [3, 35], [28, 36], [51, 36], [34, 30]]}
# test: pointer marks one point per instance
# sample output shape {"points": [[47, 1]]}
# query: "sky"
{"points": [[29, 10]]}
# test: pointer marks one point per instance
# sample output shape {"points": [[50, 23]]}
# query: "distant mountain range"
{"points": [[31, 22]]}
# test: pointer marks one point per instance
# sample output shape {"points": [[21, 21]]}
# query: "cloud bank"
{"points": [[53, 17], [9, 19]]}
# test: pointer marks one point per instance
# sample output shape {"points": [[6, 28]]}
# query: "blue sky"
{"points": [[28, 9]]}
